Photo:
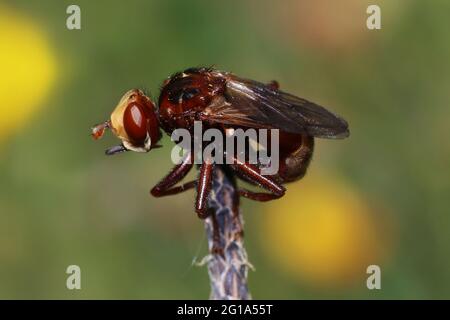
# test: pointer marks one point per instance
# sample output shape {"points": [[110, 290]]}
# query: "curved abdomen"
{"points": [[295, 155]]}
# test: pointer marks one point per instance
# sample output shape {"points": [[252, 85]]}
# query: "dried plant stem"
{"points": [[227, 261]]}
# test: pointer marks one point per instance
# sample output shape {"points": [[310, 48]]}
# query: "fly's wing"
{"points": [[253, 104]]}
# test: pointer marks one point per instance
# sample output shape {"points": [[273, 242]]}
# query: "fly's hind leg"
{"points": [[253, 173], [258, 196]]}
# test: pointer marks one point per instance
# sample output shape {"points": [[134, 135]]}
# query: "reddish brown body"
{"points": [[186, 97], [224, 101]]}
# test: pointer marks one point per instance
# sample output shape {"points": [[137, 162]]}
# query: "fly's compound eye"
{"points": [[135, 122]]}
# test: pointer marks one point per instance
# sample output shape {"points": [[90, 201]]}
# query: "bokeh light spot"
{"points": [[323, 232], [28, 70]]}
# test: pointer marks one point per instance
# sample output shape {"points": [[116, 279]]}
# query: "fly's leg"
{"points": [[254, 174], [165, 186], [203, 188], [174, 190], [258, 196]]}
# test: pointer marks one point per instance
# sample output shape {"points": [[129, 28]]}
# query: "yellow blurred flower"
{"points": [[323, 232], [28, 70]]}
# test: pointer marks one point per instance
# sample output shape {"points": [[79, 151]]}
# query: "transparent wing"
{"points": [[253, 104]]}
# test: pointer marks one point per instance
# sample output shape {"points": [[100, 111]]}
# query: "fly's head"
{"points": [[134, 121]]}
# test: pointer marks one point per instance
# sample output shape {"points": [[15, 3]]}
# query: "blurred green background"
{"points": [[380, 197]]}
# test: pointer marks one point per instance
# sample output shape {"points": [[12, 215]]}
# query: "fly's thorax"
{"points": [[185, 96]]}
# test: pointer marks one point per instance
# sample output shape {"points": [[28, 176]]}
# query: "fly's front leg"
{"points": [[165, 186], [174, 190]]}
